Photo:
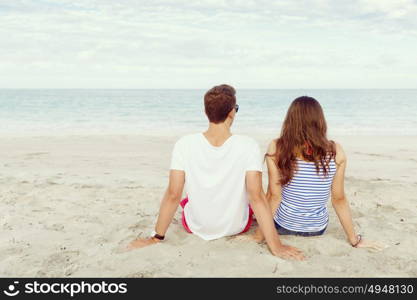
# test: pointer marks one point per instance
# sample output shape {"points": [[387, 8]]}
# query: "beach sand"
{"points": [[69, 204]]}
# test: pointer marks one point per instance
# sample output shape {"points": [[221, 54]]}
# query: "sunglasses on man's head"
{"points": [[237, 107]]}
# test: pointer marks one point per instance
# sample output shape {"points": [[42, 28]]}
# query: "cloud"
{"points": [[258, 43]]}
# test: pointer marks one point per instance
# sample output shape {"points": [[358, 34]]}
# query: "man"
{"points": [[221, 172]]}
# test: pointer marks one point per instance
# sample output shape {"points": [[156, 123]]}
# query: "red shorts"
{"points": [[184, 222]]}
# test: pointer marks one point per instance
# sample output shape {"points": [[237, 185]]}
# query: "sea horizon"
{"points": [[78, 111], [202, 88]]}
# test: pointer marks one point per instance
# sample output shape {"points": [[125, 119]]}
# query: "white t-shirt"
{"points": [[215, 182]]}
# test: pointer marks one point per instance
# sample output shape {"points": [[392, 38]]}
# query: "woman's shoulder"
{"points": [[340, 156], [272, 148]]}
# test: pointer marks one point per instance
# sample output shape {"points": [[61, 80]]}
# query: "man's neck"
{"points": [[217, 134]]}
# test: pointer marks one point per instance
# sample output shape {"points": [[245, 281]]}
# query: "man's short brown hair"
{"points": [[218, 102]]}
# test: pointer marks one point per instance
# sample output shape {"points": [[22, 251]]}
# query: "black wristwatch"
{"points": [[157, 236]]}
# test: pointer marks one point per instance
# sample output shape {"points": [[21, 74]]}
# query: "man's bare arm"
{"points": [[169, 205], [263, 215]]}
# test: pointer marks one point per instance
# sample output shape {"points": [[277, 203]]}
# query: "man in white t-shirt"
{"points": [[222, 174]]}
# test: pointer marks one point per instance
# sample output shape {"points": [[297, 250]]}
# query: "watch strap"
{"points": [[157, 236]]}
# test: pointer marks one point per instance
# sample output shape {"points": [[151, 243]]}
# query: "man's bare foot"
{"points": [[258, 236]]}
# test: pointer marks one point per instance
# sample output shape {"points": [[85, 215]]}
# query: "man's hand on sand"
{"points": [[288, 252], [140, 243]]}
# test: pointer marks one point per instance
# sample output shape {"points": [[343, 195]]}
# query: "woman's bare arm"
{"points": [[341, 205], [339, 200]]}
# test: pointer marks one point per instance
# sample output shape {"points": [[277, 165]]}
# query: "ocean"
{"points": [[172, 112]]}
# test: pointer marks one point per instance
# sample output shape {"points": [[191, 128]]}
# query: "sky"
{"points": [[200, 43]]}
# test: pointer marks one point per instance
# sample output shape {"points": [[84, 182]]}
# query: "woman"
{"points": [[304, 168]]}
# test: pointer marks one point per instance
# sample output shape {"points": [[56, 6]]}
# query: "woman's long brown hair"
{"points": [[304, 133]]}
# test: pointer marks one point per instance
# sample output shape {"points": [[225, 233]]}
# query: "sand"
{"points": [[68, 204]]}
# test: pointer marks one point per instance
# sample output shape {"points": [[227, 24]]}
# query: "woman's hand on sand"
{"points": [[375, 246], [288, 252], [140, 243]]}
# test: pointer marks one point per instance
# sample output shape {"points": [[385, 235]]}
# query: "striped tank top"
{"points": [[304, 200]]}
